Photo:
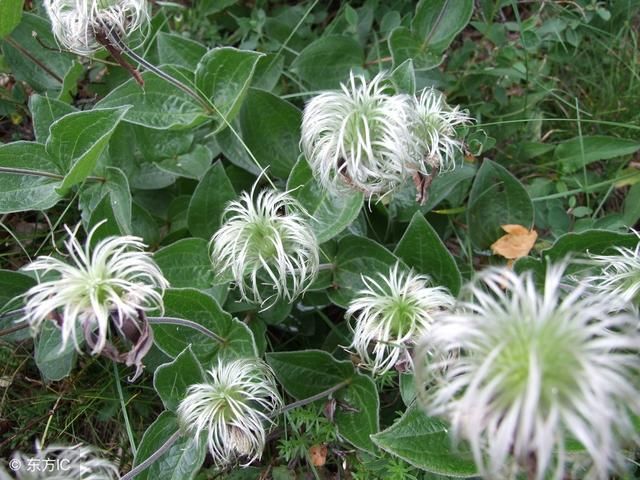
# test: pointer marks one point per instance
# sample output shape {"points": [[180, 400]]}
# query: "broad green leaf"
{"points": [[223, 76], [590, 241], [631, 208], [497, 198], [193, 164], [201, 308], [404, 77], [117, 187], [179, 50], [171, 380], [78, 139], [357, 256], [406, 45], [234, 151], [13, 284], [34, 188], [437, 22], [425, 443], [30, 61], [330, 214], [309, 372], [208, 202], [186, 263], [158, 104], [326, 62], [10, 14], [273, 139], [421, 248], [52, 360], [44, 111], [70, 81], [183, 460], [579, 151], [268, 72]]}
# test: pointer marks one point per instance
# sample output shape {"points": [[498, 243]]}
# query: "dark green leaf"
{"points": [[437, 22], [579, 151], [592, 241], [406, 45], [178, 50], [45, 111], [330, 213], [13, 284], [421, 248], [171, 380], [186, 263], [117, 187], [53, 361]]}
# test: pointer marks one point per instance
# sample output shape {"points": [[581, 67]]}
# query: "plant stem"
{"points": [[186, 323], [127, 424], [152, 458], [313, 398], [15, 328], [40, 173]]}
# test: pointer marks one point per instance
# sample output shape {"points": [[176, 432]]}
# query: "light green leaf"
{"points": [[54, 362], [45, 111], [183, 460], [158, 104], [425, 443], [208, 202], [421, 248], [326, 62], [186, 263], [13, 284], [497, 198], [273, 139], [10, 14], [201, 308], [78, 139], [330, 214], [309, 372], [33, 190], [596, 242], [223, 75], [579, 151], [178, 50], [171, 380]]}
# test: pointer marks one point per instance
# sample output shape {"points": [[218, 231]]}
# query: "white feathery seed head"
{"points": [[617, 276], [519, 372], [232, 407], [434, 131], [266, 240], [358, 137], [392, 312], [115, 280], [78, 462], [76, 22]]}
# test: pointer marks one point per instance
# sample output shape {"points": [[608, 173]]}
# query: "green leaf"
{"points": [[310, 372], [573, 154], [186, 263], [497, 198], [326, 62], [78, 139], [421, 248], [171, 380], [406, 45], [201, 308], [273, 139], [193, 164], [183, 460], [208, 202], [158, 104], [13, 284], [631, 208], [117, 187], [330, 213], [592, 241], [179, 50], [54, 362], [425, 443], [10, 14], [357, 256], [404, 77], [437, 22], [45, 111], [223, 75], [70, 82], [30, 61], [20, 192]]}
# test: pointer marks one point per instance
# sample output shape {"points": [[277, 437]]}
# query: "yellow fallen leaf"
{"points": [[517, 242]]}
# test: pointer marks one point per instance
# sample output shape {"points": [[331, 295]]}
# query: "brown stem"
{"points": [[116, 53]]}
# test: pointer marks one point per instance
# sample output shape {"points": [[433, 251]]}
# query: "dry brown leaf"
{"points": [[517, 242], [318, 454]]}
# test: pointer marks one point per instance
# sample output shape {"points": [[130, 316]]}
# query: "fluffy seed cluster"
{"points": [[392, 312], [365, 137], [62, 463], [75, 23], [266, 242], [518, 373], [232, 408], [115, 281]]}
